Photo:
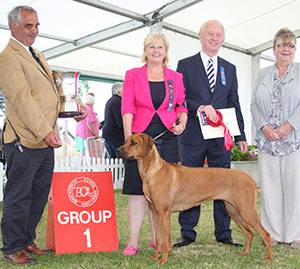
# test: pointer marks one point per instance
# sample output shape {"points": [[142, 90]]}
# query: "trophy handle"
{"points": [[78, 101], [57, 76]]}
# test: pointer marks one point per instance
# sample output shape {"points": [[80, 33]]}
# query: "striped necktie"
{"points": [[36, 57], [211, 74]]}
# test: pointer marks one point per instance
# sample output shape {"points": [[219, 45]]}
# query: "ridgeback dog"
{"points": [[171, 188]]}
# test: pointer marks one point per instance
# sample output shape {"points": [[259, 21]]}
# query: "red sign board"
{"points": [[81, 213]]}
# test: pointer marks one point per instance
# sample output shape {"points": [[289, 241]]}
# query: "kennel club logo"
{"points": [[83, 192]]}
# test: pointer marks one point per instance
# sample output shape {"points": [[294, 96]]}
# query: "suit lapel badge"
{"points": [[223, 76]]}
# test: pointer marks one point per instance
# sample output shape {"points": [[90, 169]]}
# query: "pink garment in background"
{"points": [[82, 128]]}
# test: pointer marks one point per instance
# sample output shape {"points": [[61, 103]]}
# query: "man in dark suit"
{"points": [[209, 86], [112, 130]]}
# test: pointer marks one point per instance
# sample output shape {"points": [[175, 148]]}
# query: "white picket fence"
{"points": [[87, 164], [75, 164]]}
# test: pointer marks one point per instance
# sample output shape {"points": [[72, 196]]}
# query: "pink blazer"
{"points": [[136, 98]]}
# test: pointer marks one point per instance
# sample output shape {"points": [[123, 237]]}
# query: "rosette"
{"points": [[218, 121]]}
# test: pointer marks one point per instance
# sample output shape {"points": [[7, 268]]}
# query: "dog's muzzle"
{"points": [[122, 154]]}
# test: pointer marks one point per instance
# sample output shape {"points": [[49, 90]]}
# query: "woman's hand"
{"points": [[270, 133], [179, 125], [178, 128], [284, 130]]}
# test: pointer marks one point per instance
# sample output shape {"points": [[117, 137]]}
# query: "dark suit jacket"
{"points": [[113, 125], [198, 93]]}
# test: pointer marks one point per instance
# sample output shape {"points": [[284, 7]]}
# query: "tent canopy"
{"points": [[104, 39]]}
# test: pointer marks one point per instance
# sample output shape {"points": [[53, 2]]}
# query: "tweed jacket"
{"points": [[290, 101], [31, 97]]}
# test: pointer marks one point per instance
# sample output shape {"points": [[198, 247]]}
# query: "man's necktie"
{"points": [[36, 57], [211, 74]]}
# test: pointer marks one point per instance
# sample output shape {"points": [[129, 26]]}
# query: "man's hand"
{"points": [[243, 146], [52, 140], [209, 111], [83, 114]]}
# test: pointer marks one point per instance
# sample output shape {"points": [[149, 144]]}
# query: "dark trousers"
{"points": [[194, 156], [29, 176], [111, 146]]}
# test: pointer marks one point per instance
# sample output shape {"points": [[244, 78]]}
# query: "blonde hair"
{"points": [[284, 35], [151, 39], [205, 24]]}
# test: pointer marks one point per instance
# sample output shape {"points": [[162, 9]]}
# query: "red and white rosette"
{"points": [[217, 122]]}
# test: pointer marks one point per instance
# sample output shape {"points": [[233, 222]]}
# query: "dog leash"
{"points": [[161, 134], [164, 132]]}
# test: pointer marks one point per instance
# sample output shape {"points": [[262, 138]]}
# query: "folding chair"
{"points": [[94, 147]]}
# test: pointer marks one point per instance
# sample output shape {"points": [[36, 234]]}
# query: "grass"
{"points": [[204, 253]]}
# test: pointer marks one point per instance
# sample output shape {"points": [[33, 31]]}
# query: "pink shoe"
{"points": [[154, 245], [130, 250]]}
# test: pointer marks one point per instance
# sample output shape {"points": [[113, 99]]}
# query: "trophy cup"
{"points": [[66, 83]]}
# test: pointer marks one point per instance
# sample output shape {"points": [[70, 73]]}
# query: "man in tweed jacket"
{"points": [[30, 135]]}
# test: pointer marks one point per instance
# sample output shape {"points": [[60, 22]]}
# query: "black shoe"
{"points": [[231, 242], [183, 241]]}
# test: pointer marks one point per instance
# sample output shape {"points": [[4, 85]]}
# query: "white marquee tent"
{"points": [[103, 39]]}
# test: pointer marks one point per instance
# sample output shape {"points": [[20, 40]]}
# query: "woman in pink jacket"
{"points": [[152, 103]]}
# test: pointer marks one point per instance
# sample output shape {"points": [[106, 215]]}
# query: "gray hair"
{"points": [[118, 86], [89, 98], [284, 35], [205, 24], [15, 14]]}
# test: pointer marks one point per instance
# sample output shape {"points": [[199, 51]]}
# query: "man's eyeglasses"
{"points": [[283, 45]]}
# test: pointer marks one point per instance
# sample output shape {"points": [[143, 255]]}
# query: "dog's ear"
{"points": [[148, 142]]}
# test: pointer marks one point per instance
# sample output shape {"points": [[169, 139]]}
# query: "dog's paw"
{"points": [[162, 260], [243, 253], [268, 259], [155, 256]]}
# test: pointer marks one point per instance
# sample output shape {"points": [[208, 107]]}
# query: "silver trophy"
{"points": [[66, 83]]}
